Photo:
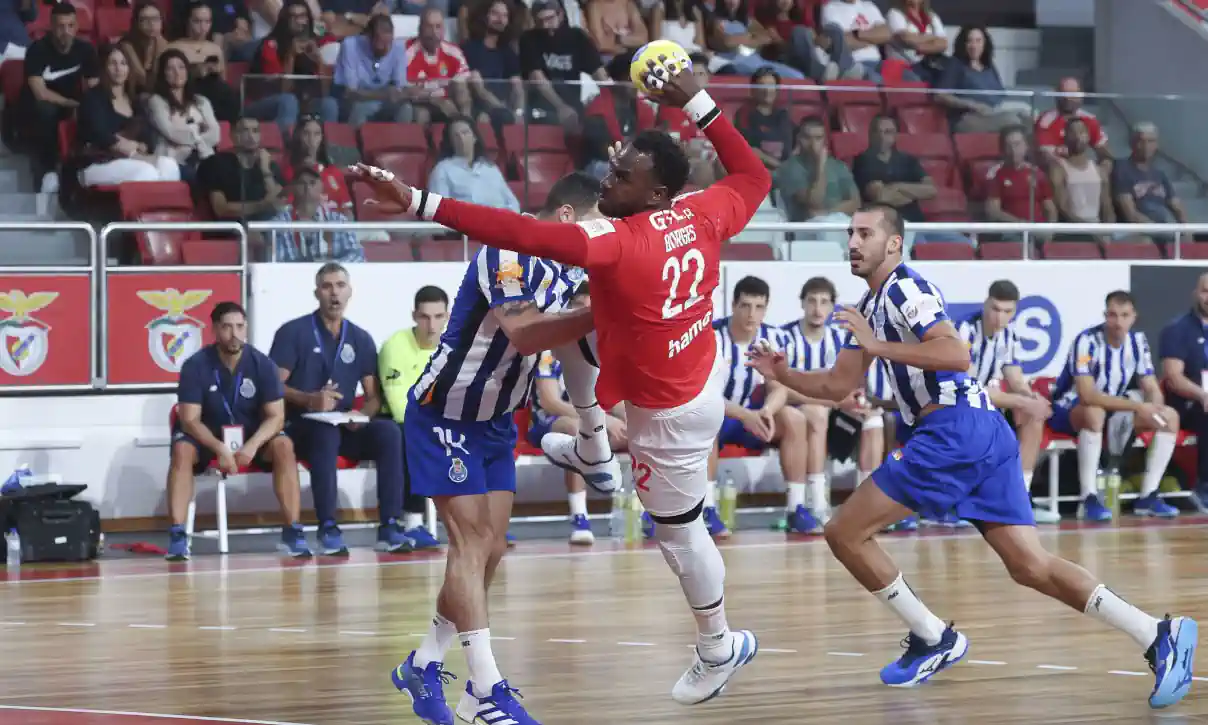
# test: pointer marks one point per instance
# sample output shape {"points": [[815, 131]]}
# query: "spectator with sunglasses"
{"points": [[371, 76], [308, 150]]}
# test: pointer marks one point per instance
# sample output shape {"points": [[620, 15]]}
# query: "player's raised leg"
{"points": [[588, 453]]}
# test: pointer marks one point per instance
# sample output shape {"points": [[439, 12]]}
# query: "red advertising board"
{"points": [[156, 320], [45, 336]]}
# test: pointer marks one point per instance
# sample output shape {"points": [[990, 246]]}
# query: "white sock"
{"points": [[579, 376], [578, 503], [480, 660], [693, 556], [901, 599], [711, 494], [1105, 606], [411, 521], [1090, 448], [796, 496], [436, 642], [819, 502], [712, 633], [1161, 448], [1027, 483]]}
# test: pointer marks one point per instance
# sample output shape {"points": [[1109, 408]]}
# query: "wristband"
{"points": [[702, 109], [424, 203]]}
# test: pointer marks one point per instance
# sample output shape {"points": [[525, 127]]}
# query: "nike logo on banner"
{"points": [[49, 75]]}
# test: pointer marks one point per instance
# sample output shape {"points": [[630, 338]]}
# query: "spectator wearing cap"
{"points": [[313, 246], [371, 75]]}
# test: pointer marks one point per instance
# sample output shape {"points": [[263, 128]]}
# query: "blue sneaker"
{"points": [[331, 540], [426, 688], [920, 660], [717, 528], [580, 531], [647, 526], [1171, 657], [910, 523], [392, 539], [501, 706], [293, 542], [706, 680], [511, 539], [952, 521], [1093, 510], [178, 544], [422, 538], [1153, 505], [802, 521]]}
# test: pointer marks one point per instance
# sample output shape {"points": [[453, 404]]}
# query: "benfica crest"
{"points": [[24, 339], [173, 336]]}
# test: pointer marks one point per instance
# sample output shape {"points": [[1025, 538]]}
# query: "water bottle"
{"points": [[16, 480], [616, 520], [633, 518], [728, 494], [12, 542], [1112, 491]]}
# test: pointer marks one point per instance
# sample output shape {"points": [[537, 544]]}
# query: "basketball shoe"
{"points": [[562, 451], [921, 660], [705, 680], [501, 706], [426, 688], [1171, 657]]}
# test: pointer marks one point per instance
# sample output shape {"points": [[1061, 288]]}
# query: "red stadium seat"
{"points": [[942, 251], [907, 94], [210, 252], [136, 197], [270, 137], [979, 172], [855, 118], [850, 93], [801, 93], [545, 138], [1141, 249], [234, 75], [523, 447], [730, 89], [12, 80], [1192, 250], [847, 146], [1000, 251], [406, 164], [340, 134], [67, 137], [112, 23], [84, 20], [379, 137], [922, 119], [224, 136], [942, 172], [971, 146], [799, 113], [541, 169], [949, 205], [164, 247], [392, 251], [438, 250], [926, 145], [1072, 250], [748, 252]]}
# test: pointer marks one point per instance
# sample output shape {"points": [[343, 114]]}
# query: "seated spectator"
{"points": [[703, 168], [553, 56], [308, 150], [58, 67], [972, 69], [183, 121], [143, 44], [797, 39], [612, 117], [1080, 185], [1016, 189], [918, 39], [465, 173], [1051, 125], [243, 183], [737, 37], [864, 31], [113, 132], [764, 120], [813, 185], [291, 49], [207, 62], [1142, 190], [308, 206], [371, 76], [438, 70], [231, 412], [616, 26], [14, 37], [680, 21], [347, 18], [231, 29], [327, 381], [496, 88]]}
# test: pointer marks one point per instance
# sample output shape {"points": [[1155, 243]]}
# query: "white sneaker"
{"points": [[50, 183], [705, 680], [1045, 516], [562, 451]]}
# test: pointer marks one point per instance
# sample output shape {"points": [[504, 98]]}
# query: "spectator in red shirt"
{"points": [[291, 49], [613, 116], [439, 70], [796, 37], [702, 159], [1016, 189], [308, 150], [1050, 127]]}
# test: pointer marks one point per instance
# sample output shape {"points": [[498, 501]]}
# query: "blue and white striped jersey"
{"points": [[988, 355], [804, 354], [744, 385], [475, 373], [1112, 368], [876, 381], [903, 310]]}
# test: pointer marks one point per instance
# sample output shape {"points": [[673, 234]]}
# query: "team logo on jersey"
{"points": [[896, 455], [25, 339], [509, 273], [247, 388], [174, 336], [348, 354], [597, 227], [458, 473]]}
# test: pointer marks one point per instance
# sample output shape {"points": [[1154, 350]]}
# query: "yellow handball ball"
{"points": [[677, 62]]}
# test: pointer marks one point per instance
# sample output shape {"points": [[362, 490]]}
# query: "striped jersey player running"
{"points": [[962, 456]]}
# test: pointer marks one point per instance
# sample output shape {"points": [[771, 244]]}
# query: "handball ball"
{"points": [[677, 61]]}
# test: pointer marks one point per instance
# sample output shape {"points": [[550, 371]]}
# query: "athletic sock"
{"points": [[579, 376], [711, 494], [1161, 448], [412, 521], [712, 633], [480, 660], [819, 500], [1107, 607], [578, 503], [902, 600], [436, 642], [1090, 448], [796, 496]]}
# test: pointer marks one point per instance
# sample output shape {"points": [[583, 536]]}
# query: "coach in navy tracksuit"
{"points": [[323, 358], [1183, 349]]}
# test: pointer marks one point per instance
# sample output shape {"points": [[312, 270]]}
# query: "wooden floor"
{"points": [[594, 637]]}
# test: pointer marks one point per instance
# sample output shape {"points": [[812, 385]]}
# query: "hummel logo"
{"points": [[892, 596], [1098, 601]]}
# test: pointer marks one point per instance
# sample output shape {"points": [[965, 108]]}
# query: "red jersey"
{"points": [[1021, 191], [677, 123], [435, 71], [336, 196], [1050, 130]]}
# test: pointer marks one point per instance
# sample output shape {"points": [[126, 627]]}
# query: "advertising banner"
{"points": [[46, 333], [156, 320]]}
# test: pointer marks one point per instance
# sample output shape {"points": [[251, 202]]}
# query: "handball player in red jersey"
{"points": [[653, 263]]}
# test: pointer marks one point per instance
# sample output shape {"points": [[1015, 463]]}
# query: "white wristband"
{"points": [[424, 203], [701, 105]]}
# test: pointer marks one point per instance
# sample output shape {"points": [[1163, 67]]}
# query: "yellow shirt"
{"points": [[400, 363]]}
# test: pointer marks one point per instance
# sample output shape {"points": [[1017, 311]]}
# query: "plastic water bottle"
{"points": [[728, 504], [633, 518], [1112, 491], [12, 541], [616, 520]]}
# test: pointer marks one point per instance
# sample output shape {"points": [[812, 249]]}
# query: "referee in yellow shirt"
{"points": [[400, 363]]}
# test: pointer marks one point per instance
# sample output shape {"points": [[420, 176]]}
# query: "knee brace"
{"points": [[695, 560]]}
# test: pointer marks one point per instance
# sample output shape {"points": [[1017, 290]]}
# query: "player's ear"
{"points": [[566, 214], [895, 244]]}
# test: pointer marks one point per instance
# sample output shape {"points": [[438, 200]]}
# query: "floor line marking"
{"points": [[76, 624], [218, 628], [1059, 668], [147, 626], [637, 644], [567, 641], [357, 633], [290, 630], [148, 715], [1127, 673], [845, 654], [778, 651], [12, 624], [1200, 679], [987, 662], [502, 639], [417, 634]]}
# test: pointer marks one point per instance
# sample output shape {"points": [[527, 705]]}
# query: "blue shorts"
{"points": [[1060, 422], [538, 426], [959, 460], [458, 458], [205, 456], [733, 433]]}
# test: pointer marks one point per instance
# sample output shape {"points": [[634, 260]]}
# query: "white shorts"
{"points": [[670, 448]]}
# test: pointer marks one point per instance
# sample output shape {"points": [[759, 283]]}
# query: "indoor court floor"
{"points": [[595, 636]]}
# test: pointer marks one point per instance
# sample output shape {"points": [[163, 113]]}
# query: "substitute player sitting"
{"points": [[757, 414], [1103, 361], [656, 262], [962, 456]]}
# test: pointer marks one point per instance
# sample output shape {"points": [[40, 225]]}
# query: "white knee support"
{"points": [[694, 558]]}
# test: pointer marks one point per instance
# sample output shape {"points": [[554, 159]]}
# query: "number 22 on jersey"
{"points": [[690, 264]]}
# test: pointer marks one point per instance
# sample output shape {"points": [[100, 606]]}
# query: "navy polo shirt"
{"points": [[314, 356], [1184, 339], [226, 397]]}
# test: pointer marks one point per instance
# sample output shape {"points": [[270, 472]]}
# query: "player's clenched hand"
{"points": [[1037, 408], [767, 360], [850, 319], [387, 189], [756, 424], [671, 84], [856, 405]]}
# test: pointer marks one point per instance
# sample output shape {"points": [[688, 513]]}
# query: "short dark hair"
{"points": [[892, 218], [1119, 297], [330, 268], [1004, 290], [819, 284], [699, 59], [578, 190], [618, 67], [431, 293], [62, 8], [876, 121], [222, 309], [670, 163], [1007, 131], [751, 286], [375, 20]]}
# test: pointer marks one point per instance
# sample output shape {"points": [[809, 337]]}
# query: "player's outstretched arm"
{"points": [[833, 384], [920, 310]]}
